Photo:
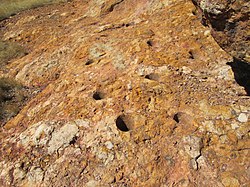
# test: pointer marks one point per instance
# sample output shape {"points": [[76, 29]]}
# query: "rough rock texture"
{"points": [[133, 93], [230, 24]]}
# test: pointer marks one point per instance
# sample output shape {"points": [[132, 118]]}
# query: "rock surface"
{"points": [[132, 93], [230, 24]]}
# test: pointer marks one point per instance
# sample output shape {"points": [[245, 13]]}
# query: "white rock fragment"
{"points": [[186, 70], [201, 161], [193, 164], [62, 137], [243, 118], [19, 174], [35, 174], [42, 130], [192, 145], [109, 144], [234, 126], [207, 32], [92, 183], [82, 123]]}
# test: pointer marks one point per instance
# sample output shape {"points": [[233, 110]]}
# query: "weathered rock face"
{"points": [[230, 24], [133, 93]]}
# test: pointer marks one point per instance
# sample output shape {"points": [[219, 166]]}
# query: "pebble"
{"points": [[234, 126], [207, 33], [243, 118], [109, 145]]}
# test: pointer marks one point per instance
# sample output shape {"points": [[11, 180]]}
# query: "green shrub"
{"points": [[12, 97], [8, 51], [11, 7]]}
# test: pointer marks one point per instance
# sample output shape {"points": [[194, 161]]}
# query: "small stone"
{"points": [[201, 162], [234, 126], [62, 137], [92, 183], [192, 145], [186, 70], [109, 144], [19, 174], [243, 118], [35, 174]]}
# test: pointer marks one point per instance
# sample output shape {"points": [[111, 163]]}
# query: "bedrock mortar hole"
{"points": [[150, 43], [98, 96], [121, 125]]}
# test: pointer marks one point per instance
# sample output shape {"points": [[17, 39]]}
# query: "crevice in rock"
{"points": [[110, 7], [191, 55], [89, 62], [241, 71], [176, 118]]}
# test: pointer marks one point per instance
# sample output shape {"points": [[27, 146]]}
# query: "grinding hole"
{"points": [[121, 125], [89, 62], [150, 43], [97, 96]]}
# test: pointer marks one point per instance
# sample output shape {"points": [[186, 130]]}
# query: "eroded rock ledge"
{"points": [[230, 23]]}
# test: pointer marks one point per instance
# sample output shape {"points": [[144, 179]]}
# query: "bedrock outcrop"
{"points": [[229, 20], [128, 93]]}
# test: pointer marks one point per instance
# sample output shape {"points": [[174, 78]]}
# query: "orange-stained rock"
{"points": [[131, 93]]}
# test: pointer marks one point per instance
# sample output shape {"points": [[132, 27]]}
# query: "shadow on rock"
{"points": [[241, 71]]}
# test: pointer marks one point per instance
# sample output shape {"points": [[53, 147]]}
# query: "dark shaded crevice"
{"points": [[176, 118], [90, 61], [241, 71], [111, 8], [121, 124], [108, 8]]}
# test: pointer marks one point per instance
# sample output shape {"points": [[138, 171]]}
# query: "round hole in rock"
{"points": [[97, 96], [89, 62], [121, 125], [150, 43]]}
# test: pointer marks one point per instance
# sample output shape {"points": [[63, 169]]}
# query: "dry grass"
{"points": [[11, 7], [12, 97], [8, 51]]}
